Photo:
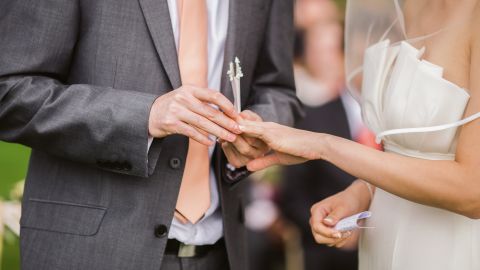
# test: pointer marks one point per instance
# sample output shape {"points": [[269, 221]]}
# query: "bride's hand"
{"points": [[327, 213], [290, 146]]}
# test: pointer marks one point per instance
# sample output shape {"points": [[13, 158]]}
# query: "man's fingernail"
{"points": [[346, 234], [337, 235], [242, 128]]}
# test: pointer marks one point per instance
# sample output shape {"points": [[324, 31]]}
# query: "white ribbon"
{"points": [[426, 129]]}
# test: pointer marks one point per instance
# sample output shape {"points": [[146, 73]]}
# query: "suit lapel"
{"points": [[238, 20], [159, 24]]}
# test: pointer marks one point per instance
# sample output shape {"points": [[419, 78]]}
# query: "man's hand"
{"points": [[244, 148], [187, 111]]}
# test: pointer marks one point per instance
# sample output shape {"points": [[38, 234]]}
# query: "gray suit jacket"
{"points": [[77, 79]]}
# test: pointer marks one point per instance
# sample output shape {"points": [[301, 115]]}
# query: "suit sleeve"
{"points": [[273, 94], [100, 126]]}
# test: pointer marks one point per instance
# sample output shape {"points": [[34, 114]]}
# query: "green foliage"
{"points": [[13, 166], [341, 3]]}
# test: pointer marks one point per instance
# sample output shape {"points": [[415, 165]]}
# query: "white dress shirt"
{"points": [[209, 229]]}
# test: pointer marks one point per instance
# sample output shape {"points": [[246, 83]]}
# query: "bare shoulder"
{"points": [[411, 8], [475, 19], [475, 52]]}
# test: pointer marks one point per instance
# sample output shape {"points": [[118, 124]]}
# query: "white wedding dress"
{"points": [[402, 94]]}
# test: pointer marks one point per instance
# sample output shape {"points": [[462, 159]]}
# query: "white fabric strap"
{"points": [[426, 129]]}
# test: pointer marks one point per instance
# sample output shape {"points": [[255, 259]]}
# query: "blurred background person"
{"points": [[279, 212], [319, 75]]}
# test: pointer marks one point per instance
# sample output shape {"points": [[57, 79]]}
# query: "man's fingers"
{"points": [[213, 115], [191, 132], [216, 98], [208, 126], [263, 162]]}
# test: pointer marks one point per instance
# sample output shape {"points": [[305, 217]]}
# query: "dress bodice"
{"points": [[416, 112], [404, 93]]}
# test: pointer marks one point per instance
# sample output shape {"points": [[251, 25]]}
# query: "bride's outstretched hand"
{"points": [[289, 145]]}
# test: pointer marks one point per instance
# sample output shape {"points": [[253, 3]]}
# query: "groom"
{"points": [[112, 97]]}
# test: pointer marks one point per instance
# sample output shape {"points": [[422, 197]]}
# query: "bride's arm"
{"points": [[451, 185]]}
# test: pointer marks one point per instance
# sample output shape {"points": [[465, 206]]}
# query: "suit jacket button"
{"points": [[127, 166], [161, 231], [117, 165], [175, 163], [108, 165], [101, 163]]}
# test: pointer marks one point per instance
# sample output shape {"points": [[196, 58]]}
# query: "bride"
{"points": [[417, 63]]}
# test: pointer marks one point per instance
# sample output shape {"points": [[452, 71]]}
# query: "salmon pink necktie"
{"points": [[194, 197]]}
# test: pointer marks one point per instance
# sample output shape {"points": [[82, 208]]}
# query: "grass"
{"points": [[13, 167]]}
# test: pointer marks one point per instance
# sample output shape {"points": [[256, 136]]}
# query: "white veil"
{"points": [[366, 23], [372, 22]]}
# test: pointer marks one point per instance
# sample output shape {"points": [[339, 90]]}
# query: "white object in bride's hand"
{"points": [[351, 223]]}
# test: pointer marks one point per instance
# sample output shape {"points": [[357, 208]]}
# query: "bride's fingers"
{"points": [[323, 239], [249, 115], [345, 238], [263, 162], [321, 229]]}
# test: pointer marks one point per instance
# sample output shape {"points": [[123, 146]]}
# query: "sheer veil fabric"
{"points": [[416, 111]]}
